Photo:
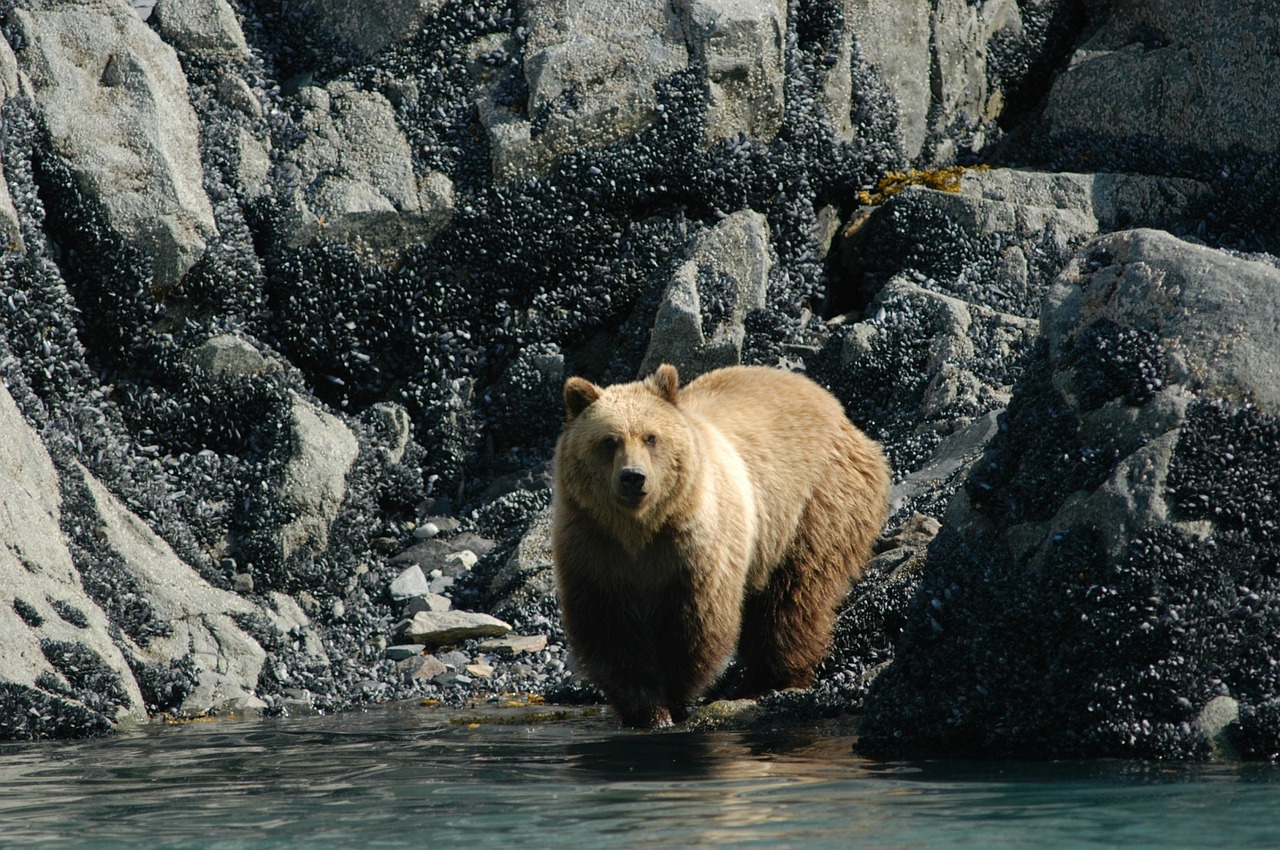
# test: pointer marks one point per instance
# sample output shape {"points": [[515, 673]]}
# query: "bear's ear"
{"points": [[666, 382], [578, 395]]}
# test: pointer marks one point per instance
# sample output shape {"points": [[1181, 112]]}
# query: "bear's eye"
{"points": [[651, 440], [610, 444]]}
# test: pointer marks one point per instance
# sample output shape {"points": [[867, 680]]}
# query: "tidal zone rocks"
{"points": [[1105, 581], [283, 287]]}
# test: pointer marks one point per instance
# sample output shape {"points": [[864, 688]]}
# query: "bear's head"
{"points": [[625, 449]]}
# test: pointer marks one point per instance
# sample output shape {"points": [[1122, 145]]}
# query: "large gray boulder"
{"points": [[895, 39], [1108, 569], [1191, 75], [591, 68], [998, 236], [113, 98], [592, 71], [932, 57], [375, 24], [352, 177], [740, 44], [699, 324]]}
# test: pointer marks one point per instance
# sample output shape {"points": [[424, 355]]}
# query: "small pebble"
{"points": [[446, 524], [421, 667], [401, 651]]}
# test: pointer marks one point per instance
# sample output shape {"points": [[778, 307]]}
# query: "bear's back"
{"points": [[768, 411], [789, 433]]}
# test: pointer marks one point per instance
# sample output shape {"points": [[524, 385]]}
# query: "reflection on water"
{"points": [[405, 777]]}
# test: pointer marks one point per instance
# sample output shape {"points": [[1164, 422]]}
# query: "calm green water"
{"points": [[404, 777]]}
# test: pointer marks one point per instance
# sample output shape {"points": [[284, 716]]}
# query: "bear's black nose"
{"points": [[631, 480]]}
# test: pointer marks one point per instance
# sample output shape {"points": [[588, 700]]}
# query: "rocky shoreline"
{"points": [[289, 295]]}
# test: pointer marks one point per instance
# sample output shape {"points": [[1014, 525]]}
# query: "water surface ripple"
{"points": [[407, 777]]}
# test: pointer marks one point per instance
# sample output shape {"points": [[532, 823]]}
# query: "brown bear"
{"points": [[689, 523]]}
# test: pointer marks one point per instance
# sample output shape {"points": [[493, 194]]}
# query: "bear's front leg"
{"points": [[613, 642]]}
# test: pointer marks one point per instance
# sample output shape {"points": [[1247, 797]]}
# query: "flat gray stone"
{"points": [[441, 628], [514, 644], [426, 602], [401, 651]]}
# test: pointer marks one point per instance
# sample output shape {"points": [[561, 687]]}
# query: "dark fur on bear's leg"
{"points": [[786, 628], [652, 661], [785, 633]]}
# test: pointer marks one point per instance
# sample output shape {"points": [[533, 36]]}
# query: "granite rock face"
{"points": [[113, 99], [699, 325], [138, 631], [355, 174], [1196, 76]]}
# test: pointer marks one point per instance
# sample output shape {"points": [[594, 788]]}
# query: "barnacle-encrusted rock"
{"points": [[591, 69], [139, 631], [741, 46], [60, 673], [699, 324], [1001, 234], [207, 28], [353, 176], [1108, 568], [201, 619], [374, 24], [1200, 77], [10, 231]]}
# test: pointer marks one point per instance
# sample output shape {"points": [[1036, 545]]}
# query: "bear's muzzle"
{"points": [[631, 484]]}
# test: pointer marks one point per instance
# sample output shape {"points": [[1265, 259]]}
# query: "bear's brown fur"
{"points": [[731, 514]]}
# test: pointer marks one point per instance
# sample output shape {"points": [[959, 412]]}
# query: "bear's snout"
{"points": [[631, 481]]}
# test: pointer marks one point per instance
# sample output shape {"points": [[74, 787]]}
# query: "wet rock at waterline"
{"points": [[1106, 571]]}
